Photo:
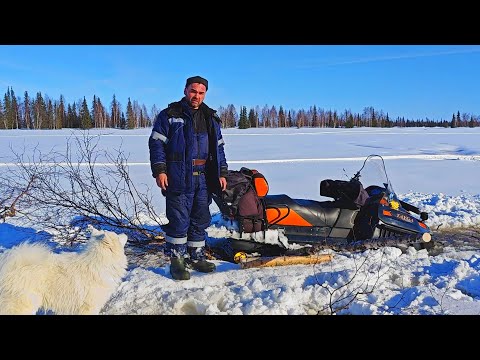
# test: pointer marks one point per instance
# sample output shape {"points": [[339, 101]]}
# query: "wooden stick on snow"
{"points": [[285, 260]]}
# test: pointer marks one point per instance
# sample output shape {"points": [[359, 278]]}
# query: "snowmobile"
{"points": [[356, 217]]}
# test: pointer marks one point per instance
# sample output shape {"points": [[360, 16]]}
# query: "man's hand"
{"points": [[223, 183], [162, 181]]}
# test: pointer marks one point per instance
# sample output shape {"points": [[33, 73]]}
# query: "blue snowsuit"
{"points": [[190, 150]]}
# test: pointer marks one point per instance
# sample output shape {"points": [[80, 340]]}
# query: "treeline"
{"points": [[270, 117], [41, 112]]}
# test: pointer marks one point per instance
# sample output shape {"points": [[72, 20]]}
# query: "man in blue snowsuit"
{"points": [[188, 162]]}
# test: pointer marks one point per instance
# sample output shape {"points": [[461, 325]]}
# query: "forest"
{"points": [[43, 112]]}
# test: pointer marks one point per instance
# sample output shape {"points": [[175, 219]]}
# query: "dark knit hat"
{"points": [[197, 79]]}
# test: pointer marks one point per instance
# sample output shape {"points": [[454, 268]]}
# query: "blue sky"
{"points": [[420, 81]]}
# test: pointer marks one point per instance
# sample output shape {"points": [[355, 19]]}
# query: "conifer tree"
{"points": [[94, 114], [75, 118], [281, 117], [130, 116], [141, 119], [243, 122], [115, 117], [123, 122], [2, 117], [40, 112], [314, 117], [374, 119], [60, 114], [251, 118], [69, 121], [85, 118], [15, 110], [7, 110], [349, 121], [26, 107], [50, 115], [453, 123]]}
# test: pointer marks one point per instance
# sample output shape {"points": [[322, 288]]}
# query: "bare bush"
{"points": [[356, 285], [66, 190]]}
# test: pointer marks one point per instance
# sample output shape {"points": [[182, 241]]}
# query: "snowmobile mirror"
{"points": [[423, 216]]}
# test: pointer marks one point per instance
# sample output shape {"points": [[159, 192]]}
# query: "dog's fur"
{"points": [[32, 277]]}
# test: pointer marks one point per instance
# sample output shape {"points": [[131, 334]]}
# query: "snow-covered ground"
{"points": [[435, 169]]}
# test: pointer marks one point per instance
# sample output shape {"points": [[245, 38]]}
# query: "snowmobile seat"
{"points": [[315, 213]]}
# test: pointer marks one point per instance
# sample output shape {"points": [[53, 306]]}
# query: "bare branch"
{"points": [[82, 185]]}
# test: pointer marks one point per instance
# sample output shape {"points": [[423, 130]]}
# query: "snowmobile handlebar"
{"points": [[414, 209]]}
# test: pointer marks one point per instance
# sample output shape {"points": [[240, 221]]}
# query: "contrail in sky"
{"points": [[393, 57]]}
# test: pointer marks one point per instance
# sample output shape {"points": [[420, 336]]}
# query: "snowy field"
{"points": [[435, 169]]}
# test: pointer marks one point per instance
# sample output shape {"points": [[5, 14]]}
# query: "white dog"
{"points": [[32, 277]]}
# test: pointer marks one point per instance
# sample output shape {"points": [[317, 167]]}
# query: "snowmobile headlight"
{"points": [[394, 204], [426, 237]]}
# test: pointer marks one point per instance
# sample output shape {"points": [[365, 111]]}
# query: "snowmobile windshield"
{"points": [[373, 172]]}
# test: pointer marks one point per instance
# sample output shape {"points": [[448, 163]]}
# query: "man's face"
{"points": [[195, 94]]}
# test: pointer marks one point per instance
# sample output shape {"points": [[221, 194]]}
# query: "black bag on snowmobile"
{"points": [[344, 191]]}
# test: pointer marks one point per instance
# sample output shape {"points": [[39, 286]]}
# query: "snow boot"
{"points": [[177, 269], [198, 260], [201, 265]]}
